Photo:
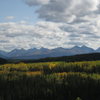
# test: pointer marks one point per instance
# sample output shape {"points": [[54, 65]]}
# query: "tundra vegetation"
{"points": [[50, 81]]}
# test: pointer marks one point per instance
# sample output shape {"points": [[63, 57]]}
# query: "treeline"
{"points": [[50, 81], [54, 67], [3, 61], [74, 58], [81, 57]]}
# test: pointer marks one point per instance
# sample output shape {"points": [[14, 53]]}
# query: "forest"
{"points": [[50, 81], [72, 58]]}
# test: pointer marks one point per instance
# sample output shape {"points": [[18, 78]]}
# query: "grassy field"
{"points": [[50, 81]]}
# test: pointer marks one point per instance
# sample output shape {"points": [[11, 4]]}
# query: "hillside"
{"points": [[3, 61], [81, 57]]}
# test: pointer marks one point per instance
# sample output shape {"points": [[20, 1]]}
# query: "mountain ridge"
{"points": [[35, 53]]}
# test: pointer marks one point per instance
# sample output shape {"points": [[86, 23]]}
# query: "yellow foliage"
{"points": [[33, 73]]}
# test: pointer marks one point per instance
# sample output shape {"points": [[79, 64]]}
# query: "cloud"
{"points": [[9, 17], [36, 2], [65, 10], [48, 35], [66, 23]]}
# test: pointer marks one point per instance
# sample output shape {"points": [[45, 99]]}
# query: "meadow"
{"points": [[50, 81]]}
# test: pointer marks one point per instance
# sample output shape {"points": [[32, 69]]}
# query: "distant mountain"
{"points": [[98, 50], [81, 50], [35, 53], [16, 53], [3, 54]]}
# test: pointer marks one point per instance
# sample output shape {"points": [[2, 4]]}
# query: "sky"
{"points": [[49, 23]]}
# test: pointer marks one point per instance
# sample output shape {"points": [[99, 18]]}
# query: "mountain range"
{"points": [[35, 53]]}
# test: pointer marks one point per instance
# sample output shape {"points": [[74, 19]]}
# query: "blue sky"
{"points": [[18, 9], [49, 23]]}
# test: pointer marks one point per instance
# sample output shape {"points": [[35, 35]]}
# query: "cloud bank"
{"points": [[48, 35]]}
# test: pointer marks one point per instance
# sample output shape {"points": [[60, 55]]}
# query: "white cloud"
{"points": [[9, 17], [65, 10], [48, 35], [36, 2]]}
